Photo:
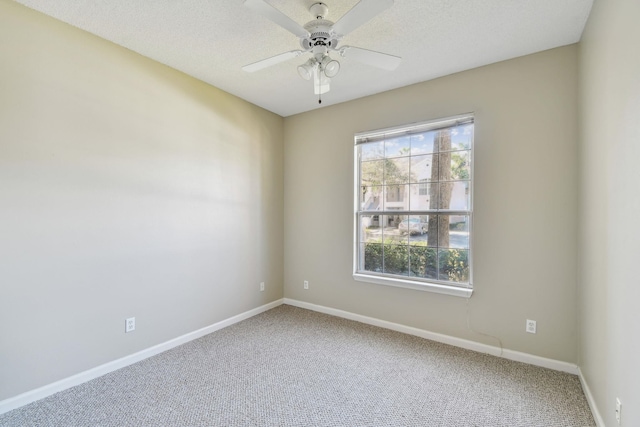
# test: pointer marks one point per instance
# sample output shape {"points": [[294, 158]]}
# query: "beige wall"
{"points": [[525, 219], [126, 189], [610, 207]]}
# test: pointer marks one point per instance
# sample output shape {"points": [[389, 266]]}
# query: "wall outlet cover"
{"points": [[531, 326], [130, 324]]}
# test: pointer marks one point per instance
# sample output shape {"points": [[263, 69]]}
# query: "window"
{"points": [[413, 206], [423, 188]]}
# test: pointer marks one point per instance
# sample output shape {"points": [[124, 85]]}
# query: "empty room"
{"points": [[303, 213]]}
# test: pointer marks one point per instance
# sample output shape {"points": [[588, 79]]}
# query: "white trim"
{"points": [[415, 285], [82, 377], [531, 359], [42, 392], [590, 400]]}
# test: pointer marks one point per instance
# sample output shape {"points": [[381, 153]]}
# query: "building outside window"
{"points": [[414, 205], [423, 188]]}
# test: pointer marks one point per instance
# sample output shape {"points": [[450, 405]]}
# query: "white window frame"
{"points": [[461, 290]]}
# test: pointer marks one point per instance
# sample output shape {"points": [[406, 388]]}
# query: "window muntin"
{"points": [[413, 214]]}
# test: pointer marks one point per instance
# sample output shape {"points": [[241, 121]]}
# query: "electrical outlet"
{"points": [[531, 326], [261, 286], [306, 284], [130, 324], [618, 410]]}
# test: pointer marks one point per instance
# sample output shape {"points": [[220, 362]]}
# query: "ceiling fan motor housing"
{"points": [[320, 33]]}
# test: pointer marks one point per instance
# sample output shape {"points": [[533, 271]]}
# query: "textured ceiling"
{"points": [[212, 39]]}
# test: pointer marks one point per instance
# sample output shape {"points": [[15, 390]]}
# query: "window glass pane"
{"points": [[454, 195], [459, 231], [442, 140], [453, 166], [396, 259], [443, 231], [423, 262], [443, 172], [418, 230], [396, 197], [432, 231], [371, 150], [453, 265], [371, 254], [453, 231], [372, 172], [414, 225], [371, 198], [445, 191], [422, 143], [422, 168], [390, 231], [369, 229], [460, 165], [396, 171], [396, 147], [461, 137], [420, 196]]}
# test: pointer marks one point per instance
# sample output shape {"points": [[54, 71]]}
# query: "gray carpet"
{"points": [[294, 367]]}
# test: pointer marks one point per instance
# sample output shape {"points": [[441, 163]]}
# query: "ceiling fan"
{"points": [[320, 37]]}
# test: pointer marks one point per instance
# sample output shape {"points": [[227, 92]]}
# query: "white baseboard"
{"points": [[42, 392], [590, 400], [531, 359]]}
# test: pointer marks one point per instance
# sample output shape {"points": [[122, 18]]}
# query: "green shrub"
{"points": [[417, 261], [424, 261], [396, 259], [373, 257], [454, 265]]}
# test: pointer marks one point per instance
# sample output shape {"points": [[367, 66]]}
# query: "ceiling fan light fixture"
{"points": [[330, 66], [306, 70], [321, 83]]}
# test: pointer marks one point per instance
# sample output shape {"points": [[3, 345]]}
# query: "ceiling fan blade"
{"points": [[371, 57], [362, 12], [271, 61], [270, 12]]}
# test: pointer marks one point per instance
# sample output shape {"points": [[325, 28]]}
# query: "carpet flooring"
{"points": [[294, 367]]}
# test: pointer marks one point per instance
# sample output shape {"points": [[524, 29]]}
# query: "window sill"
{"points": [[419, 286]]}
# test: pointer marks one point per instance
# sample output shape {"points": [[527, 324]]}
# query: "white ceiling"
{"points": [[212, 39]]}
